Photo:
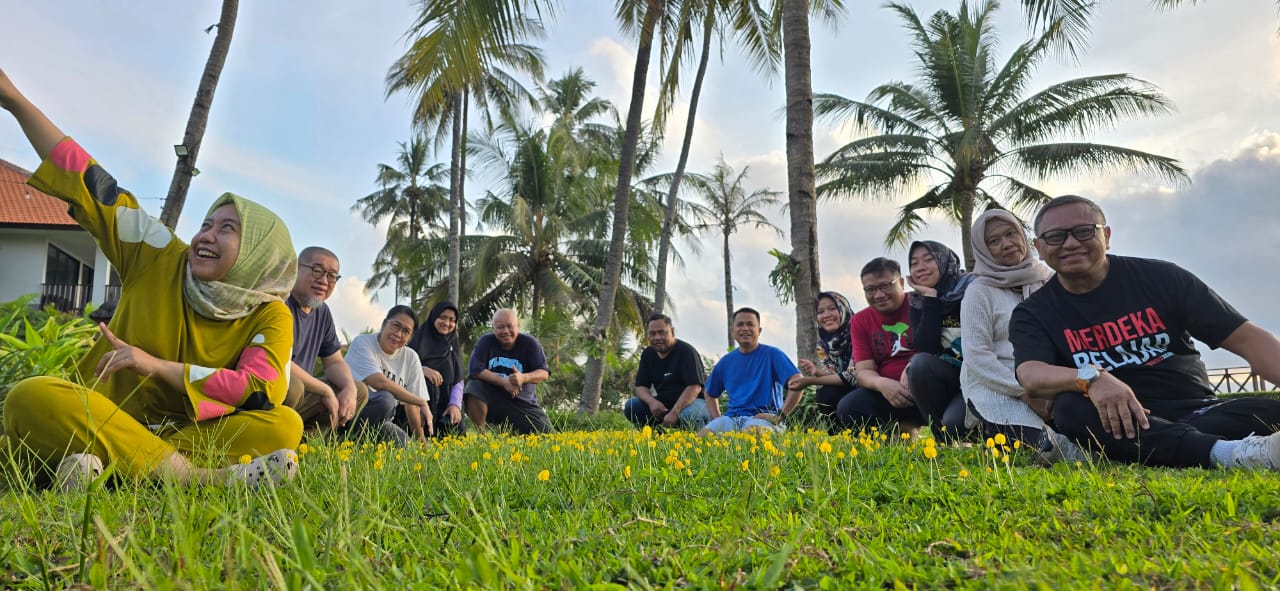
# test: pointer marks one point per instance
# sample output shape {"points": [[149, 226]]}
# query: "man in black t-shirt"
{"points": [[505, 369], [1108, 340], [668, 382]]}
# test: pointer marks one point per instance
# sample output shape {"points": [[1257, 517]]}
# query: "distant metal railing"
{"points": [[1232, 380], [66, 297]]}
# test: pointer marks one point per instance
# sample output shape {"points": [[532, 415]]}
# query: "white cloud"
{"points": [[353, 311]]}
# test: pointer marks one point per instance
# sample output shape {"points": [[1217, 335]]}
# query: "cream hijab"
{"points": [[1029, 274]]}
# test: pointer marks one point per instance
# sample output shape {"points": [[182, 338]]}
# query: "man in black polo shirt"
{"points": [[1108, 340], [668, 382]]}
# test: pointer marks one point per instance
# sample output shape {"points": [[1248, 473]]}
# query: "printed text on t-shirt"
{"points": [[1136, 338], [506, 363]]}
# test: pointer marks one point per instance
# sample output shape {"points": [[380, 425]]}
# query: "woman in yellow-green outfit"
{"points": [[192, 372]]}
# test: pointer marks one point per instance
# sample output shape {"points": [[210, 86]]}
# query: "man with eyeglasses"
{"points": [[506, 367], [329, 403], [882, 348], [1108, 340]]}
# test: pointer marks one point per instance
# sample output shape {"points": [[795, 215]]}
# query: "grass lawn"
{"points": [[619, 508]]}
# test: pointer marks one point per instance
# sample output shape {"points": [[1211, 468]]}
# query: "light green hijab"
{"points": [[263, 272]]}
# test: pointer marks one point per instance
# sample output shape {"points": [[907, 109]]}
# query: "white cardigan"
{"points": [[987, 375]]}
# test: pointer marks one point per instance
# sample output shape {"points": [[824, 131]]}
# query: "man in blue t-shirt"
{"points": [[755, 376], [332, 402], [505, 369]]}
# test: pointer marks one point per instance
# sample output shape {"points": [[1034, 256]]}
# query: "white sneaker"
{"points": [[1257, 452], [76, 471], [274, 468]]}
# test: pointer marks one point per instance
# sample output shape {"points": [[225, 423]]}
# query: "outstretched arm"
{"points": [[40, 131], [1258, 347]]}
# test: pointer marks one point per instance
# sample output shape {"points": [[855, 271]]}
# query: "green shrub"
{"points": [[40, 342]]}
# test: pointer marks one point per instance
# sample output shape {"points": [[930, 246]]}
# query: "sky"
{"points": [[301, 119]]}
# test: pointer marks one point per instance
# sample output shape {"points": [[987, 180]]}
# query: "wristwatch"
{"points": [[1086, 376]]}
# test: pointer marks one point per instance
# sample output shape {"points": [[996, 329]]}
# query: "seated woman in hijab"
{"points": [[1006, 272], [833, 374], [437, 345], [933, 377], [190, 377]]}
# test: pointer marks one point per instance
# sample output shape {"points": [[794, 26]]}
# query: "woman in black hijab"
{"points": [[436, 342]]}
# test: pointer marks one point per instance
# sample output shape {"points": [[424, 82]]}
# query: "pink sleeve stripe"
{"points": [[209, 410], [228, 386], [69, 156]]}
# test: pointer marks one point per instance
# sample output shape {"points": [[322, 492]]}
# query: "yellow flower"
{"points": [[824, 447], [990, 443], [853, 452], [839, 455], [417, 467], [475, 465], [995, 453], [1000, 439], [964, 473], [799, 454], [377, 465], [745, 463], [544, 475], [626, 472], [303, 448], [906, 436], [246, 458], [774, 471], [930, 453], [486, 455], [1017, 444]]}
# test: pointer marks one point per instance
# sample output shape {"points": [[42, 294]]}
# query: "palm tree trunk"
{"points": [[455, 201], [967, 199], [462, 171], [800, 173], [413, 240], [728, 289], [199, 118], [594, 374], [669, 218]]}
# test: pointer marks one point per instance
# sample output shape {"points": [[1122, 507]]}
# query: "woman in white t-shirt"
{"points": [[383, 363]]}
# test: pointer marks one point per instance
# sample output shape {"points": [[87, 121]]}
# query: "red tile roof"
{"points": [[22, 205]]}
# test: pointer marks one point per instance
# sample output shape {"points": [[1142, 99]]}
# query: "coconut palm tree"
{"points": [[967, 125], [463, 53], [750, 25], [652, 10], [1073, 17], [728, 207], [176, 198], [409, 197], [802, 204]]}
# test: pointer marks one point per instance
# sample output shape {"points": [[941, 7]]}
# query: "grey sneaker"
{"points": [[76, 471], [274, 468], [1257, 452], [1056, 447]]}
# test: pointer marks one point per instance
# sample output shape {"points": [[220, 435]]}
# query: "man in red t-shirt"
{"points": [[882, 348]]}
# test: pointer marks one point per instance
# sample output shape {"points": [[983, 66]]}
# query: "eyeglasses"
{"points": [[317, 272], [400, 328], [883, 287], [1082, 233]]}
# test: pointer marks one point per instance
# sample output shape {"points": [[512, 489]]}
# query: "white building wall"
{"points": [[23, 253]]}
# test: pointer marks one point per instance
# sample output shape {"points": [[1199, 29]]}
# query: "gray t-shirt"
{"points": [[314, 335]]}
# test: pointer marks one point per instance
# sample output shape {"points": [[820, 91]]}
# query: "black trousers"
{"points": [[935, 384], [524, 417], [864, 408], [826, 399], [1177, 442]]}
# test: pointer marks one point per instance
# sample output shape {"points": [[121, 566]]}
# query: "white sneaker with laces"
{"points": [[274, 468], [1257, 452], [76, 471]]}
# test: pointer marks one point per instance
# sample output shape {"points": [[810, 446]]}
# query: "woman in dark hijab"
{"points": [[437, 345], [833, 374], [934, 374]]}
